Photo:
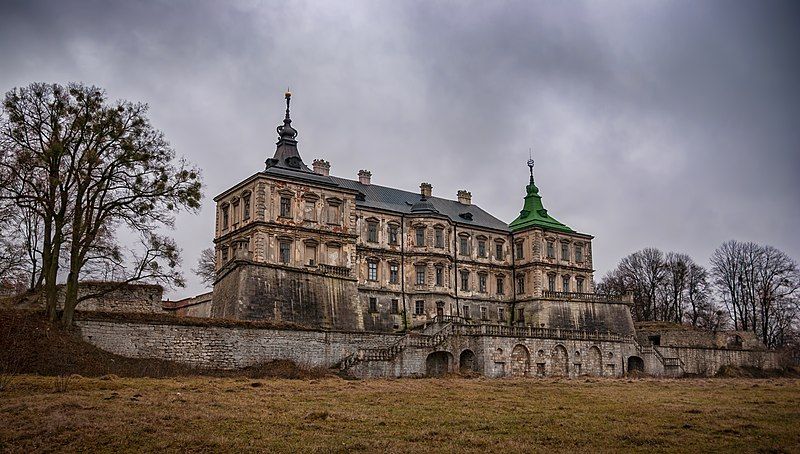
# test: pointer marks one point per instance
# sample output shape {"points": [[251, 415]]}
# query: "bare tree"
{"points": [[759, 286], [85, 167], [207, 267]]}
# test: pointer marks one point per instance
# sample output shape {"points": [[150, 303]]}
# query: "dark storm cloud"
{"points": [[668, 124]]}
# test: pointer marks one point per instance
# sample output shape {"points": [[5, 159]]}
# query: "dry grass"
{"points": [[333, 415]]}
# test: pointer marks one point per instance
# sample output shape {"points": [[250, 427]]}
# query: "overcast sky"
{"points": [[666, 124]]}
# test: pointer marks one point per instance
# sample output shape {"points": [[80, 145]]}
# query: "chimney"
{"points": [[322, 167], [364, 176], [425, 189], [464, 197]]}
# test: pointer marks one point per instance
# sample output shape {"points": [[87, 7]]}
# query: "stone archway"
{"points": [[438, 364], [594, 362], [467, 363], [635, 364], [559, 362], [520, 361]]}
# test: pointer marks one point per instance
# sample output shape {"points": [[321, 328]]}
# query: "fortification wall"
{"points": [[280, 294], [224, 347], [708, 361], [113, 297], [579, 315]]}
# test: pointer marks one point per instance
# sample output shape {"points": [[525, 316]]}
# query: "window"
{"points": [[464, 280], [224, 253], [234, 211], [501, 314], [419, 307], [334, 251], [394, 274], [579, 253], [498, 251], [311, 254], [481, 248], [484, 313], [373, 304], [466, 312], [464, 246], [565, 284], [420, 236], [579, 284], [565, 252], [285, 251], [482, 283], [551, 282], [439, 237], [501, 285], [439, 275], [372, 270], [333, 213], [246, 200], [392, 234], [372, 232], [395, 306], [309, 211], [420, 274], [520, 315], [286, 207], [551, 251], [520, 284], [225, 218], [519, 251]]}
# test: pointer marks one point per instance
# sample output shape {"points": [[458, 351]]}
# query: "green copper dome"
{"points": [[534, 214]]}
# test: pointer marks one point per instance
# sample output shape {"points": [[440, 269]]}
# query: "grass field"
{"points": [[334, 415]]}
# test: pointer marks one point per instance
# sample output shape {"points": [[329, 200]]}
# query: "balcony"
{"points": [[575, 296], [332, 270]]}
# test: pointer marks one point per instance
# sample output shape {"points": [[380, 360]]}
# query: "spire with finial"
{"points": [[530, 162], [533, 213], [286, 131], [286, 154]]}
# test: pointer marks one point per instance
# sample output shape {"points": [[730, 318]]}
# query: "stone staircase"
{"points": [[673, 366], [441, 331]]}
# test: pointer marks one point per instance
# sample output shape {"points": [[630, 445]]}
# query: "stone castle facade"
{"points": [[381, 282], [297, 244]]}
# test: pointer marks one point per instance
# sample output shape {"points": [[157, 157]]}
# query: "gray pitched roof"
{"points": [[399, 201]]}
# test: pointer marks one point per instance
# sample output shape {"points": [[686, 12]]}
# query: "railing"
{"points": [[579, 296], [391, 352], [531, 331], [333, 270]]}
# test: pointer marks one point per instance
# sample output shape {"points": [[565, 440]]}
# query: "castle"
{"points": [[382, 282]]}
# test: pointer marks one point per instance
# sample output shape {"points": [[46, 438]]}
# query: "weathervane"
{"points": [[530, 162]]}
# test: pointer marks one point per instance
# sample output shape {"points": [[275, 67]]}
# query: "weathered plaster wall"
{"points": [[708, 361]]}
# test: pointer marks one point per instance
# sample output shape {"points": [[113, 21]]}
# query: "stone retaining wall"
{"points": [[225, 347]]}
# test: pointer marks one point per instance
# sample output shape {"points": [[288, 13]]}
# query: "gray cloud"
{"points": [[671, 124]]}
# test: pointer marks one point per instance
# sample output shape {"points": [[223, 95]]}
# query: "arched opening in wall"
{"points": [[438, 364], [559, 365], [467, 363], [520, 361], [635, 364], [594, 362]]}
